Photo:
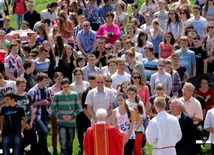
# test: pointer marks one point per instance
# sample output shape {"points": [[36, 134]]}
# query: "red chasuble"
{"points": [[103, 139]]}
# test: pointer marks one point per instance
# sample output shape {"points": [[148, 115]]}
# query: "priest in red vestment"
{"points": [[102, 138]]}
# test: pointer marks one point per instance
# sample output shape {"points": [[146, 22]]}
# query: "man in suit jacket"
{"points": [[186, 124]]}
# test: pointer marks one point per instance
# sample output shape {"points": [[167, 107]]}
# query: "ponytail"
{"points": [[128, 111]]}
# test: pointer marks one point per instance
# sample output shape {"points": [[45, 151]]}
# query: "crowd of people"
{"points": [[61, 65]]}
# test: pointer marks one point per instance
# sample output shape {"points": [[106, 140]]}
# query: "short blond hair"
{"points": [[160, 102]]}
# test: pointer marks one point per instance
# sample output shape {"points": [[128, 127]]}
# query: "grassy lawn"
{"points": [[40, 5]]}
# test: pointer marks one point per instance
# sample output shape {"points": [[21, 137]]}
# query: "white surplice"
{"points": [[163, 132]]}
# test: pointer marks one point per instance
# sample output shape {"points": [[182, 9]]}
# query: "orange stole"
{"points": [[103, 139]]}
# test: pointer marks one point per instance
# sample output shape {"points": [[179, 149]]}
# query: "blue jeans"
{"points": [[42, 127], [66, 137], [18, 18], [6, 144]]}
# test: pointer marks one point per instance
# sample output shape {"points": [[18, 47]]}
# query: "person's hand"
{"points": [[66, 118], [126, 140], [22, 135], [105, 36], [207, 98]]}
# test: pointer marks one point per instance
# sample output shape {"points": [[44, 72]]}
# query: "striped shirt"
{"points": [[66, 105]]}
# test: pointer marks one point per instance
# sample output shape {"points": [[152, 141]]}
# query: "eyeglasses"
{"points": [[78, 74], [136, 77], [85, 25], [168, 36], [100, 82], [210, 27], [108, 48], [161, 65]]}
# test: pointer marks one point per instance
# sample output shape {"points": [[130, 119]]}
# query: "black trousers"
{"points": [[129, 147], [83, 123], [30, 138]]}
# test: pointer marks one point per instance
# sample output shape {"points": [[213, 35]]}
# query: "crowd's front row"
{"points": [[24, 113]]}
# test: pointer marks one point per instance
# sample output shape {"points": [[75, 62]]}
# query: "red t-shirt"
{"points": [[210, 102], [19, 7], [166, 49]]}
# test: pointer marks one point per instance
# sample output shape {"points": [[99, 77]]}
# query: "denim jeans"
{"points": [[18, 18], [66, 137], [42, 127], [15, 140]]}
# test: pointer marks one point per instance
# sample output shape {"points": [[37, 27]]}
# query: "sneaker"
{"points": [[145, 151]]}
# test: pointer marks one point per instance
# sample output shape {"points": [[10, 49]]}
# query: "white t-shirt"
{"points": [[141, 49], [147, 28], [10, 85], [117, 79], [120, 18], [199, 25]]}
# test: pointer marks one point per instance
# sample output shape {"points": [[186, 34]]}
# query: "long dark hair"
{"points": [[206, 7], [126, 105], [177, 18], [138, 73], [139, 41], [59, 46], [64, 55], [172, 40], [134, 88]]}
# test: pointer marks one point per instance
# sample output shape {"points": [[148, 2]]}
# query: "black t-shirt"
{"points": [[43, 97], [151, 100], [12, 119], [200, 55], [202, 101], [84, 94], [25, 101]]}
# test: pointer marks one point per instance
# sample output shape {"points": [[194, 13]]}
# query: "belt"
{"points": [[167, 147]]}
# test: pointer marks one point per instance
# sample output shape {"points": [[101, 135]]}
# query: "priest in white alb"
{"points": [[163, 131]]}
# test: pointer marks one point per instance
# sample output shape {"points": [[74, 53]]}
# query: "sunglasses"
{"points": [[100, 82], [108, 48], [136, 77], [85, 25], [171, 13], [210, 27], [55, 30]]}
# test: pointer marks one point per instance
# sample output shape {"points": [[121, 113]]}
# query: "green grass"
{"points": [[39, 6]]}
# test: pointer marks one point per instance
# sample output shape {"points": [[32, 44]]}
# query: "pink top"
{"points": [[104, 29], [144, 94], [166, 50]]}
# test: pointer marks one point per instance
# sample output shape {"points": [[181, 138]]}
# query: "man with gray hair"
{"points": [[102, 138], [186, 124], [193, 108], [163, 131]]}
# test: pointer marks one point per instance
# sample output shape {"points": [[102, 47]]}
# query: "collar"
{"points": [[178, 116], [50, 11], [12, 56], [101, 91], [101, 122], [190, 99], [86, 33]]}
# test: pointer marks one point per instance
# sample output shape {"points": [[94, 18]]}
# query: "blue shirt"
{"points": [[103, 10], [187, 59], [86, 70], [150, 67], [87, 40]]}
